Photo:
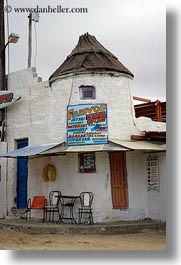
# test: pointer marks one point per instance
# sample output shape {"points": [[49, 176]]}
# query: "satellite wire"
{"points": [[35, 44]]}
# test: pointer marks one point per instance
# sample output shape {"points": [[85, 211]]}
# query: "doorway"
{"points": [[118, 180], [22, 176]]}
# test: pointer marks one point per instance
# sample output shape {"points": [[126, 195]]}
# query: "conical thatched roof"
{"points": [[89, 56]]}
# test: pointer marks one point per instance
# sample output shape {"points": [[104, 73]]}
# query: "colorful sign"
{"points": [[87, 124], [7, 98]]}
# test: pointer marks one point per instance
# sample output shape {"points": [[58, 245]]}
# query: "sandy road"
{"points": [[11, 240]]}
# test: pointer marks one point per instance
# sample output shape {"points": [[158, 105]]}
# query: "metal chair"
{"points": [[38, 203], [85, 210], [51, 206]]}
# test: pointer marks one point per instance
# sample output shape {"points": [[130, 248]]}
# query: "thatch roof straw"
{"points": [[89, 56]]}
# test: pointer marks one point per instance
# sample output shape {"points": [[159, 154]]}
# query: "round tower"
{"points": [[91, 75]]}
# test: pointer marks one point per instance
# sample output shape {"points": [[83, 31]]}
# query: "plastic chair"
{"points": [[51, 206], [38, 203], [86, 199]]}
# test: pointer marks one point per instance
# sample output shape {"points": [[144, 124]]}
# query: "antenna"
{"points": [[33, 16]]}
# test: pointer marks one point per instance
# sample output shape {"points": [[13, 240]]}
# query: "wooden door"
{"points": [[118, 180]]}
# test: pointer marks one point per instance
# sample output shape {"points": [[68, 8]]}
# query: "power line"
{"points": [[7, 23], [35, 44]]}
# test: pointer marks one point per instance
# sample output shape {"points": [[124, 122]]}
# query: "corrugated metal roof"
{"points": [[89, 56], [140, 145], [29, 151], [96, 148], [61, 148]]}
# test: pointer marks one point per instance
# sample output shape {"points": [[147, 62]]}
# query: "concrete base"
{"points": [[123, 227]]}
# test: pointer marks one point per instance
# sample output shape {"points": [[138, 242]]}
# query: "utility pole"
{"points": [[2, 67], [2, 45], [29, 39]]}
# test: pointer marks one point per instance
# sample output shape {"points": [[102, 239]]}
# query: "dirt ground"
{"points": [[11, 240]]}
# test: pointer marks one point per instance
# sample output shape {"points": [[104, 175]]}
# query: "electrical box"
{"points": [[35, 16]]}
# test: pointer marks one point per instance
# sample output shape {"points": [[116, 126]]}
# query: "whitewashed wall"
{"points": [[44, 107], [40, 116], [115, 91], [157, 199], [142, 203], [3, 168]]}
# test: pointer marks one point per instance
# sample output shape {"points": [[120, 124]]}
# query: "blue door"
{"points": [[22, 175]]}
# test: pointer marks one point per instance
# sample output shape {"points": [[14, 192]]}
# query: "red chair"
{"points": [[38, 203]]}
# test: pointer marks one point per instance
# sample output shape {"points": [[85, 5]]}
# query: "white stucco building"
{"points": [[116, 169]]}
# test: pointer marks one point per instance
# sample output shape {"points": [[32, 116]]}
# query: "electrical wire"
{"points": [[71, 91], [7, 24], [35, 44], [8, 65], [132, 107]]}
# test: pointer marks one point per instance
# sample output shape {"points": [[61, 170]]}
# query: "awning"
{"points": [[30, 151], [61, 148], [97, 148], [140, 145]]}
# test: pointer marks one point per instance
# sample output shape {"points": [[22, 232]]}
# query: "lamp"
{"points": [[13, 38]]}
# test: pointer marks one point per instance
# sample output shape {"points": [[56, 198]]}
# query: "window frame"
{"points": [[153, 174], [83, 169], [83, 89]]}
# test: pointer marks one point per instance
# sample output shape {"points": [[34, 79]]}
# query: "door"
{"points": [[22, 175], [118, 180]]}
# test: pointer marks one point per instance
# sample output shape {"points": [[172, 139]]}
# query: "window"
{"points": [[87, 92], [87, 162], [153, 173]]}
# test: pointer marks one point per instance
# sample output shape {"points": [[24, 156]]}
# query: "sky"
{"points": [[133, 30]]}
